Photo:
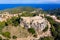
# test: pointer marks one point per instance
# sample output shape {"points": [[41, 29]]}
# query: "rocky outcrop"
{"points": [[37, 22]]}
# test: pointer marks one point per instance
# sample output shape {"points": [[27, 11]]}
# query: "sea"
{"points": [[43, 6]]}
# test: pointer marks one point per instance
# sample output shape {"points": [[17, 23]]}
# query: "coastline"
{"points": [[43, 6]]}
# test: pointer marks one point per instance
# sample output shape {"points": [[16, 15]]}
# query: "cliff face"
{"points": [[37, 22]]}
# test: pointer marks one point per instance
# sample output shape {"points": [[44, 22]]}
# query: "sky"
{"points": [[29, 1]]}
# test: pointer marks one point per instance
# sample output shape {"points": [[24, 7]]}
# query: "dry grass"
{"points": [[19, 32]]}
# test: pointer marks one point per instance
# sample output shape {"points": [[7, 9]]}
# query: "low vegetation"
{"points": [[28, 14], [14, 37], [0, 38], [55, 28], [19, 10], [58, 17], [54, 12], [47, 38], [2, 25], [46, 28], [6, 34], [31, 30], [15, 21]]}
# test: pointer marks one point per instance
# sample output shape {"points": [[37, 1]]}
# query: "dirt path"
{"points": [[54, 17], [2, 36]]}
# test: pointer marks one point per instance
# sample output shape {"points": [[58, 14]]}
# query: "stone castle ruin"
{"points": [[37, 22]]}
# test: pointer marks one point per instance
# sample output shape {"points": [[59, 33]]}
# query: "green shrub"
{"points": [[35, 35], [6, 34], [58, 17], [14, 37], [31, 30], [47, 38], [0, 38], [46, 28], [2, 25], [15, 21], [50, 20]]}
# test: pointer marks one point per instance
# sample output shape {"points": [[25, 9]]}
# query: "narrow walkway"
{"points": [[2, 36], [54, 17]]}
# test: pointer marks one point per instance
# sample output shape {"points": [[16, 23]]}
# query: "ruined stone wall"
{"points": [[37, 22]]}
